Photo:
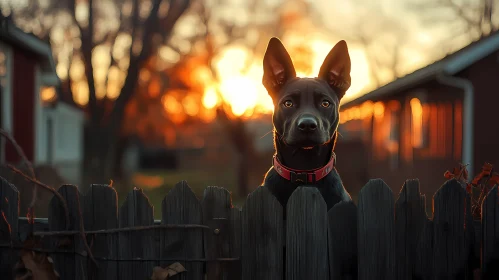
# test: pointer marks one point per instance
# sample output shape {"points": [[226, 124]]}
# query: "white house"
{"points": [[49, 133]]}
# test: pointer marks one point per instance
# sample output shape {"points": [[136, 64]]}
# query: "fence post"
{"points": [[451, 249], [410, 219], [100, 212], [9, 217], [376, 231], [262, 237], [235, 243], [69, 266], [342, 241], [490, 235], [136, 211], [180, 206], [306, 235], [217, 209]]}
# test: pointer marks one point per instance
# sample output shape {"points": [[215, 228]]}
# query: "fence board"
{"points": [[100, 212], [306, 235], [410, 219], [376, 234], [180, 206], [72, 265], [342, 241], [423, 265], [235, 243], [490, 235], [216, 214], [262, 237], [137, 211], [9, 219], [451, 242]]}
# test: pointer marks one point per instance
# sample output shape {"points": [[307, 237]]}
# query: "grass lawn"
{"points": [[198, 180]]}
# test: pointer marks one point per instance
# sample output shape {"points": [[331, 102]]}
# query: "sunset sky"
{"points": [[391, 27]]}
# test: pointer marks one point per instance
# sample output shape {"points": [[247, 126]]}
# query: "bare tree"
{"points": [[381, 38], [128, 32], [467, 20]]}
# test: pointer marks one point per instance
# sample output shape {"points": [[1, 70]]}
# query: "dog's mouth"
{"points": [[308, 148]]}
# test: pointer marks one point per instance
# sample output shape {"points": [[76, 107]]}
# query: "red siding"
{"points": [[23, 99]]}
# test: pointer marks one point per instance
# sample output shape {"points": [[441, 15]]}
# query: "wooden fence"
{"points": [[380, 238]]}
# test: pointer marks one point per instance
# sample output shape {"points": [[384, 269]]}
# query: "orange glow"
{"points": [[172, 106], [417, 123], [147, 182], [379, 109], [154, 87], [434, 130], [364, 111], [48, 94], [191, 107], [210, 98], [367, 109]]}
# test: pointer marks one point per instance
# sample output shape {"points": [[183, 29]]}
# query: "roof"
{"points": [[449, 65], [12, 35]]}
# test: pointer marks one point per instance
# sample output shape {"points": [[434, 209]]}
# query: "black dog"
{"points": [[306, 117]]}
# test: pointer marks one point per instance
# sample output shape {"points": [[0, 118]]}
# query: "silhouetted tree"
{"points": [[126, 34]]}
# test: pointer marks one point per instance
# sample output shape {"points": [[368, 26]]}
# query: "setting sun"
{"points": [[240, 86]]}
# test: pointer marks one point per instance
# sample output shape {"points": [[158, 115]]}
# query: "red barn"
{"points": [[426, 122]]}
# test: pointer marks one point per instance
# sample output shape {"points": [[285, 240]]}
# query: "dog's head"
{"points": [[306, 110]]}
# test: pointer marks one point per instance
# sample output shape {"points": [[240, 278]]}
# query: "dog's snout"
{"points": [[307, 123]]}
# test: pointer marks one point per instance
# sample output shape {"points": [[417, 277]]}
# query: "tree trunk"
{"points": [[98, 158]]}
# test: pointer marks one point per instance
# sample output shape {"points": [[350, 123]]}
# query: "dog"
{"points": [[305, 121]]}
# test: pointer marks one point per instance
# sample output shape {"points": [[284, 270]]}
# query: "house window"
{"points": [[47, 95], [386, 132], [416, 123], [393, 141]]}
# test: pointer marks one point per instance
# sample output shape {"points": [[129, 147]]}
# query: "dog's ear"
{"points": [[335, 69], [277, 67]]}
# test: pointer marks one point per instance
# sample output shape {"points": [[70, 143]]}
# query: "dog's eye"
{"points": [[325, 104], [288, 103]]}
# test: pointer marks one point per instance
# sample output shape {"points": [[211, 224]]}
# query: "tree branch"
{"points": [[86, 50], [177, 8], [112, 38]]}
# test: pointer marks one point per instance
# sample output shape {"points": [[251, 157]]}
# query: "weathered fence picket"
{"points": [[376, 231], [378, 239], [306, 235], [216, 215], [184, 245], [490, 235], [234, 267], [342, 241], [72, 264], [262, 237], [100, 212], [139, 245], [451, 242], [410, 218]]}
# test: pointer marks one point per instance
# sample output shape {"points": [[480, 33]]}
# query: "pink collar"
{"points": [[304, 176]]}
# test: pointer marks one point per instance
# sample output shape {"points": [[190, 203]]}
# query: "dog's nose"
{"points": [[307, 124]]}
